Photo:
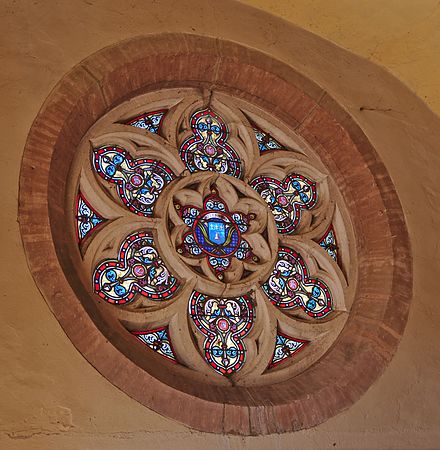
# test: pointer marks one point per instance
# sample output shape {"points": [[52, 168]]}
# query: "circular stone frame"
{"points": [[384, 285]]}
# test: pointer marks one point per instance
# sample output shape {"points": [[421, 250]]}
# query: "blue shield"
{"points": [[216, 232]]}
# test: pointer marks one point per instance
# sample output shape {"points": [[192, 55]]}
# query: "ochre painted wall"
{"points": [[51, 397], [401, 35]]}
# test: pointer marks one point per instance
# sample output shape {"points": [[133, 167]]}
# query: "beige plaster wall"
{"points": [[401, 35], [51, 397]]}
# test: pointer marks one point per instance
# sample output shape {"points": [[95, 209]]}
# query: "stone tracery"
{"points": [[226, 222], [216, 233], [317, 132]]}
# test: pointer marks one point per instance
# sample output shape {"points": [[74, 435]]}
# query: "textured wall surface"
{"points": [[51, 397], [401, 35]]}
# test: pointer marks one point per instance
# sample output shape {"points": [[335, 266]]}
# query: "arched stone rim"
{"points": [[384, 285]]}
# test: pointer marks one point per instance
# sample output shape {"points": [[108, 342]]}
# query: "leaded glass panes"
{"points": [[287, 198], [86, 217], [215, 234], [290, 286], [138, 269], [158, 340], [213, 237], [265, 141], [224, 322], [207, 148], [150, 122], [139, 181], [285, 347], [329, 242]]}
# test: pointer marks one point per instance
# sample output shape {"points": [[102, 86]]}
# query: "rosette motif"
{"points": [[206, 214]]}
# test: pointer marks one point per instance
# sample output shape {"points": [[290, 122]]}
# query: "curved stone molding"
{"points": [[382, 270]]}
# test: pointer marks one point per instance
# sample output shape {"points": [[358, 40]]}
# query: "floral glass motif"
{"points": [[265, 141], [329, 243], [86, 217], [287, 198], [158, 340], [138, 269], [150, 121], [207, 148], [216, 234], [290, 286], [139, 182], [224, 322], [285, 347]]}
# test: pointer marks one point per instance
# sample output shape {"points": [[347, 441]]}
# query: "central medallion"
{"points": [[216, 233], [222, 230]]}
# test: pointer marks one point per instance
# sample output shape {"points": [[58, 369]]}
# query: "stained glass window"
{"points": [[290, 286], [138, 269], [158, 340], [329, 243], [285, 347], [139, 181], [211, 259], [151, 121], [207, 148], [224, 322], [207, 235], [265, 141], [86, 217], [216, 234], [287, 198]]}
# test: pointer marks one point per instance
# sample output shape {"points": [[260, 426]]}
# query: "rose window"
{"points": [[213, 235]]}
